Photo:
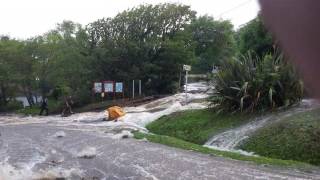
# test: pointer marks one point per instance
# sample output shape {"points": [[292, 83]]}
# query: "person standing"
{"points": [[68, 103], [44, 106]]}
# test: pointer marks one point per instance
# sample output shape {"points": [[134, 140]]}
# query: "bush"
{"points": [[82, 97], [250, 84], [11, 106]]}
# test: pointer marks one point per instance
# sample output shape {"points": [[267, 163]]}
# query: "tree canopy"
{"points": [[147, 42], [254, 37], [214, 42]]}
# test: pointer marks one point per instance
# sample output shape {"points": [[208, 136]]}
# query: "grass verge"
{"points": [[178, 143], [196, 126], [296, 137], [53, 105]]}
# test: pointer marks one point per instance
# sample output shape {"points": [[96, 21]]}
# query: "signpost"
{"points": [[106, 88], [186, 68]]}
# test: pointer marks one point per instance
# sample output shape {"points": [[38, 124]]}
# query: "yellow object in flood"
{"points": [[115, 112]]}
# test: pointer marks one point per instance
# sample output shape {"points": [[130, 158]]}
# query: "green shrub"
{"points": [[13, 105], [250, 83]]}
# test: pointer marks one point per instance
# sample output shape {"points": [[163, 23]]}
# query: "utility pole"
{"points": [[180, 80], [139, 87], [132, 89]]}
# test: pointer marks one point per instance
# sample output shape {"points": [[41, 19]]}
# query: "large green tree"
{"points": [[16, 71], [136, 43], [254, 37], [148, 42], [214, 42]]}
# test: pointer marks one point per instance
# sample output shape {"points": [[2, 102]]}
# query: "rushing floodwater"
{"points": [[229, 140], [20, 155], [135, 119], [84, 146]]}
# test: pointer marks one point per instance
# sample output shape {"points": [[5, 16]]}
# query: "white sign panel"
{"points": [[186, 67], [108, 87], [97, 87], [119, 87]]}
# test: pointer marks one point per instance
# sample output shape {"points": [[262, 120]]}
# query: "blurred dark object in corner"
{"points": [[295, 24]]}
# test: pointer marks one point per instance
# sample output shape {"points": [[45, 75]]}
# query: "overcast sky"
{"points": [[26, 18]]}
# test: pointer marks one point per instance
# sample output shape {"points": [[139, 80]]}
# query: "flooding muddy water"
{"points": [[82, 146], [135, 119]]}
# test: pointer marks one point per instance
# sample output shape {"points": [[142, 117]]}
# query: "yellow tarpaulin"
{"points": [[115, 112]]}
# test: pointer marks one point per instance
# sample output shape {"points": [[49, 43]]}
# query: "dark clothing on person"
{"points": [[44, 107]]}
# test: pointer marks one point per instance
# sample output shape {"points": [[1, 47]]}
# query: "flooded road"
{"points": [[135, 119], [34, 151], [84, 146]]}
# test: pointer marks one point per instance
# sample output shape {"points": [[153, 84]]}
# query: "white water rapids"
{"points": [[79, 146], [135, 119], [138, 117], [20, 157], [230, 139]]}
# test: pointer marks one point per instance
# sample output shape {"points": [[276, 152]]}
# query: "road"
{"points": [[34, 151], [84, 146]]}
